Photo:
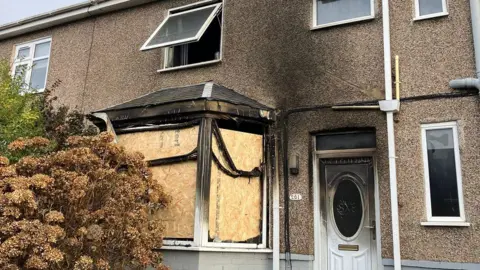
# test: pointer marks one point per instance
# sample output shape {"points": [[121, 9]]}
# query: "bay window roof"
{"points": [[189, 102]]}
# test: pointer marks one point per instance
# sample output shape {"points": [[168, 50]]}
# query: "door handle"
{"points": [[373, 228]]}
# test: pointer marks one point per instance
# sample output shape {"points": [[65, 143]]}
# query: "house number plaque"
{"points": [[295, 197]]}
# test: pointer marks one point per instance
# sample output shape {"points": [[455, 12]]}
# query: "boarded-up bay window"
{"points": [[233, 195], [235, 211], [179, 180]]}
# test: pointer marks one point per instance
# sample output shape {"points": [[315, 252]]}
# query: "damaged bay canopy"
{"points": [[186, 102], [211, 149], [182, 27]]}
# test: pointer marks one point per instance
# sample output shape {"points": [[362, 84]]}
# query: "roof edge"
{"points": [[65, 15]]}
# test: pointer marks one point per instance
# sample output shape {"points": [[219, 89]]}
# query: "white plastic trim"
{"points": [[190, 66], [65, 15], [445, 224], [217, 249]]}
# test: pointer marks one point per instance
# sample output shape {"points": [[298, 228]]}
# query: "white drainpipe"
{"points": [[472, 82], [276, 213], [392, 106]]}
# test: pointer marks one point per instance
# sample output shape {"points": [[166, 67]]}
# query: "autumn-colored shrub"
{"points": [[89, 206]]}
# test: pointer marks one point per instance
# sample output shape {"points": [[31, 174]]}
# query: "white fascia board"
{"points": [[66, 15]]}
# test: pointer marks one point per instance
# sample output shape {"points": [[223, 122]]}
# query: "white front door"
{"points": [[348, 213]]}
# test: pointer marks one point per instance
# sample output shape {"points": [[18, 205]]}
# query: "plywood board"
{"points": [[162, 143], [179, 180], [235, 211]]}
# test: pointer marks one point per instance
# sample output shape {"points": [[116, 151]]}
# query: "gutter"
{"points": [[65, 15], [472, 82]]}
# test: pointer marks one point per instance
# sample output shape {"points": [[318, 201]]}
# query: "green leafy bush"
{"points": [[25, 113]]}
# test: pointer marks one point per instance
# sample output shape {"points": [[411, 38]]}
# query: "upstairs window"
{"points": [[334, 12], [442, 171], [425, 9], [31, 63], [190, 36]]}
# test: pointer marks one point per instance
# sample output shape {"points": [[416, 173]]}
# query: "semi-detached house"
{"points": [[288, 132]]}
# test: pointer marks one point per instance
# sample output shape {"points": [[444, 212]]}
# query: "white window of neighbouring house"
{"points": [[191, 35], [31, 63], [442, 171], [334, 12], [425, 9]]}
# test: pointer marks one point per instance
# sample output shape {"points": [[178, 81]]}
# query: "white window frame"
{"points": [[430, 218], [185, 40], [429, 16], [167, 50], [31, 58], [200, 239], [363, 18]]}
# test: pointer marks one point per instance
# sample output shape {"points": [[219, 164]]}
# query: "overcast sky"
{"points": [[14, 10]]}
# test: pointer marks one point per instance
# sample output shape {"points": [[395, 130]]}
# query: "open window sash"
{"points": [[182, 27]]}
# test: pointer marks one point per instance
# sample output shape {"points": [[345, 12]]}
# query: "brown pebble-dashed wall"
{"points": [[270, 54]]}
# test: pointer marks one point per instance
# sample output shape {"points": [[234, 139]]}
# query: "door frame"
{"points": [[320, 253]]}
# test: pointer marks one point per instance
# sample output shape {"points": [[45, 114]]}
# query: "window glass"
{"points": [[182, 27], [33, 58], [23, 53], [42, 49], [347, 208], [206, 49], [330, 11], [427, 7], [39, 74], [341, 141], [442, 173], [20, 71]]}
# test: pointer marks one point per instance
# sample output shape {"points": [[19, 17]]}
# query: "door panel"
{"points": [[348, 211]]}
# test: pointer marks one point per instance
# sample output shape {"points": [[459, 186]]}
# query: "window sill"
{"points": [[190, 66], [445, 224], [431, 16], [360, 19], [217, 249]]}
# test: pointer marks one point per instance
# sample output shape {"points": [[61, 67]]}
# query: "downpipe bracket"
{"points": [[389, 105]]}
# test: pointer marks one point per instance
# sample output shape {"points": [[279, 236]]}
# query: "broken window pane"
{"points": [[235, 214]]}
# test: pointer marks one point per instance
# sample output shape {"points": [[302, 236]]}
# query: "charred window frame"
{"points": [[204, 155]]}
